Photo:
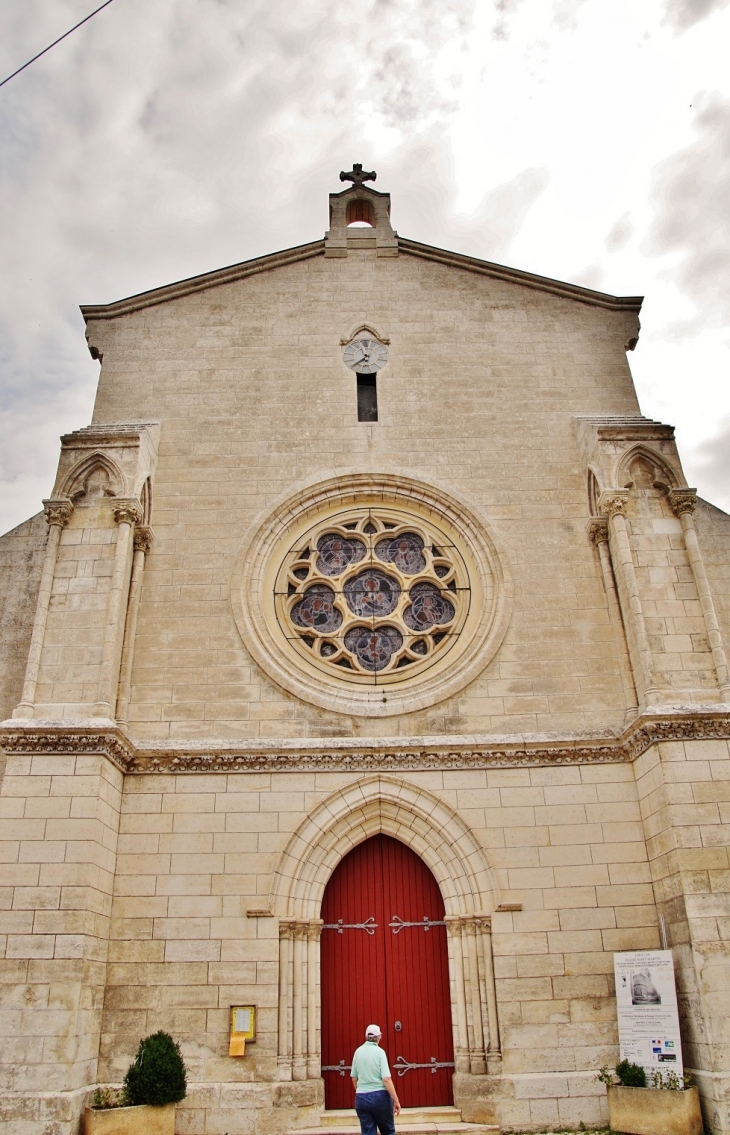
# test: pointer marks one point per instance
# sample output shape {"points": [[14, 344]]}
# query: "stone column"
{"points": [[299, 994], [142, 543], [614, 502], [314, 1061], [461, 1046], [58, 513], [683, 503], [598, 533], [477, 1058], [286, 934], [126, 513], [486, 965]]}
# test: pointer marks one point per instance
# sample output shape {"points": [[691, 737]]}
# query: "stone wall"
{"points": [[483, 380], [197, 851], [21, 561]]}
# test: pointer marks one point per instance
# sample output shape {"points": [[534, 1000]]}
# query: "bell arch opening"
{"points": [[360, 213]]}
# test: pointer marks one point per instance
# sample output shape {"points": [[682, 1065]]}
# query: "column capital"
{"points": [[597, 529], [613, 502], [314, 929], [127, 510], [58, 511], [143, 539], [453, 925], [286, 927], [682, 500]]}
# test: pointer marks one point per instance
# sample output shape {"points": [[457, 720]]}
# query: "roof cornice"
{"points": [[193, 284], [301, 252], [518, 276]]}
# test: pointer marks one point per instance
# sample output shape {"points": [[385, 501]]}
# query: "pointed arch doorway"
{"points": [[384, 960]]}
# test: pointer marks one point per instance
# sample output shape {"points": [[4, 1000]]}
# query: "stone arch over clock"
{"points": [[458, 867]]}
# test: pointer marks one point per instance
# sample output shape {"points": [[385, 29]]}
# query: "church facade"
{"points": [[370, 662]]}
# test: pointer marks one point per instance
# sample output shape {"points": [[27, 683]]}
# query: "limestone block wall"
{"points": [[683, 665], [21, 562], [713, 528], [684, 792], [196, 852], [249, 383], [58, 830], [71, 657]]}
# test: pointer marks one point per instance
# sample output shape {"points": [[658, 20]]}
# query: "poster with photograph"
{"points": [[646, 1003]]}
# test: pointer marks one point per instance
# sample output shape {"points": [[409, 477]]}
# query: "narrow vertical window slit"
{"points": [[367, 398]]}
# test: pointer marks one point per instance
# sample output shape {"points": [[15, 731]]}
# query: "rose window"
{"points": [[373, 595]]}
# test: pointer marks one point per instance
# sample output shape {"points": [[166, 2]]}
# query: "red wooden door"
{"points": [[383, 961]]}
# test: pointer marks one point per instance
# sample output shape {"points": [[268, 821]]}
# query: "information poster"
{"points": [[646, 1002]]}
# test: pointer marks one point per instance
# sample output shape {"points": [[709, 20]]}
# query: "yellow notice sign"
{"points": [[243, 1028]]}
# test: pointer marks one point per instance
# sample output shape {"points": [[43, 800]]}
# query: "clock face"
{"points": [[365, 356]]}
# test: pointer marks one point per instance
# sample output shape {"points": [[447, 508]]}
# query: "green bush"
{"points": [[157, 1075], [631, 1075]]}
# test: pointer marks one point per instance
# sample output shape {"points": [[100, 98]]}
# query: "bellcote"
{"points": [[360, 218]]}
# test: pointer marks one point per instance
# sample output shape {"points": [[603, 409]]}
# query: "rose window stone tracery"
{"points": [[373, 595]]}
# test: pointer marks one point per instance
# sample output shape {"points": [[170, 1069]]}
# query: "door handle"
{"points": [[397, 1026]]}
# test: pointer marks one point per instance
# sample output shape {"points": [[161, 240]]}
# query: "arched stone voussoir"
{"points": [[395, 807]]}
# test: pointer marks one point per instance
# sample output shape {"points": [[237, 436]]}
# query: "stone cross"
{"points": [[356, 175]]}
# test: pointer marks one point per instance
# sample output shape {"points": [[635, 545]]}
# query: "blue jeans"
{"points": [[375, 1112]]}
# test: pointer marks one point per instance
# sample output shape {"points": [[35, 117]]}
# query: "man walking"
{"points": [[376, 1101]]}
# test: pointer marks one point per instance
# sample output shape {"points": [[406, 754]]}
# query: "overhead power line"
{"points": [[50, 45]]}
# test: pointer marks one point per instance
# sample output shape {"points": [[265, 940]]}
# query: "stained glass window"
{"points": [[372, 592], [428, 607], [336, 552], [405, 551], [373, 646], [376, 595], [316, 611]]}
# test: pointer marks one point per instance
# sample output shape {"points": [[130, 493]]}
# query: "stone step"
{"points": [[411, 1121], [346, 1117]]}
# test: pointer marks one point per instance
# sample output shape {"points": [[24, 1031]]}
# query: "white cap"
{"points": [[372, 1030]]}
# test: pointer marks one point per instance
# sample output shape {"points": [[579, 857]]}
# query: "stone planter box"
{"points": [[143, 1120], [652, 1111]]}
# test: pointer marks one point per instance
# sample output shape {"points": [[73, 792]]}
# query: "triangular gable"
{"points": [[247, 268]]}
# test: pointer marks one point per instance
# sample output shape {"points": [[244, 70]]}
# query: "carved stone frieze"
{"points": [[684, 724], [49, 742]]}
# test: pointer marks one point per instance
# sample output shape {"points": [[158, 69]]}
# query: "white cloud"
{"points": [[691, 195], [683, 14], [161, 141]]}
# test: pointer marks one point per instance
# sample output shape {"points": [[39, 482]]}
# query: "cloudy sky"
{"points": [[587, 140]]}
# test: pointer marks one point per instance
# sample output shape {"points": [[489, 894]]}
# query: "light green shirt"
{"points": [[369, 1068]]}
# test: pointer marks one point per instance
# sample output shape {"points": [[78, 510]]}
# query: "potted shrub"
{"points": [[155, 1081], [670, 1106]]}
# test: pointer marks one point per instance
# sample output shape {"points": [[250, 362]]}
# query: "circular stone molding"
{"points": [[371, 595]]}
